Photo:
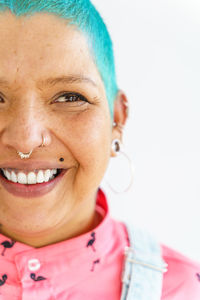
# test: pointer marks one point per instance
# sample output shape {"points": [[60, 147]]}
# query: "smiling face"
{"points": [[49, 85], [33, 52]]}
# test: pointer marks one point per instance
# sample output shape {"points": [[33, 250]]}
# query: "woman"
{"points": [[61, 119]]}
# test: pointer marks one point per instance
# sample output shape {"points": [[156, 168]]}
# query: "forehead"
{"points": [[43, 45]]}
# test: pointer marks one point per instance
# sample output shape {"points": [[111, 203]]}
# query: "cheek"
{"points": [[87, 137]]}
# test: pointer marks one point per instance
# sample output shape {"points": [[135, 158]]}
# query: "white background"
{"points": [[157, 53]]}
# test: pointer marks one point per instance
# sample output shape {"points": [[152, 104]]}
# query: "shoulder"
{"points": [[182, 280]]}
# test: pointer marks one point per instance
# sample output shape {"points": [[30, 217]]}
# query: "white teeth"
{"points": [[31, 177], [40, 176], [47, 175], [13, 177], [22, 178], [7, 174]]}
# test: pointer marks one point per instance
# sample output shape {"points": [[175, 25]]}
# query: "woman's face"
{"points": [[32, 51]]}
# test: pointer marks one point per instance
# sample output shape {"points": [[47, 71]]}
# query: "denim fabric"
{"points": [[143, 266]]}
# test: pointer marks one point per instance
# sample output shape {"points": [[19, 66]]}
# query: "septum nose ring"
{"points": [[27, 155], [24, 155]]}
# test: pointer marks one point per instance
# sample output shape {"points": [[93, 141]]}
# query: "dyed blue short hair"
{"points": [[84, 15]]}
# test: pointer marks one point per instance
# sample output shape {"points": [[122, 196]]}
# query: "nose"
{"points": [[25, 129]]}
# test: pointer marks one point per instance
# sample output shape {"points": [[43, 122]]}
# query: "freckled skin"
{"points": [[33, 49]]}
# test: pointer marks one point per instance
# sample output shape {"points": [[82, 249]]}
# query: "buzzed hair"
{"points": [[85, 17]]}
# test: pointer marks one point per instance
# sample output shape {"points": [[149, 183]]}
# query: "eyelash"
{"points": [[74, 97], [1, 99]]}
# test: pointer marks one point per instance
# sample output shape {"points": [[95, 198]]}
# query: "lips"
{"points": [[32, 190], [30, 165]]}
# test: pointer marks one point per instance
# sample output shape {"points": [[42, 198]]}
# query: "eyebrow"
{"points": [[52, 81]]}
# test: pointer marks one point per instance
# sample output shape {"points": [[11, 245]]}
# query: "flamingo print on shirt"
{"points": [[39, 278], [6, 245], [94, 263], [91, 241], [3, 280]]}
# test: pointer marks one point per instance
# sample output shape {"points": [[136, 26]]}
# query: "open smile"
{"points": [[30, 184]]}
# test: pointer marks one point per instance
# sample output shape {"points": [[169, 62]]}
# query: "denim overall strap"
{"points": [[143, 266]]}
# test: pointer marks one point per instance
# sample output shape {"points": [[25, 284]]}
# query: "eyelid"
{"points": [[63, 94], [2, 96]]}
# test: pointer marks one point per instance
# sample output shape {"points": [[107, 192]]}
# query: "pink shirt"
{"points": [[86, 267]]}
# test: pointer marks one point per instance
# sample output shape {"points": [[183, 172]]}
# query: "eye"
{"points": [[1, 100], [71, 97]]}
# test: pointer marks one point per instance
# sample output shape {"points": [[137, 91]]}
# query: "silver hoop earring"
{"points": [[116, 146]]}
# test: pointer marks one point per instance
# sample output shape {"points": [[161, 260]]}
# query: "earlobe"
{"points": [[116, 146]]}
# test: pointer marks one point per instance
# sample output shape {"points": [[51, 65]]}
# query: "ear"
{"points": [[120, 116]]}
